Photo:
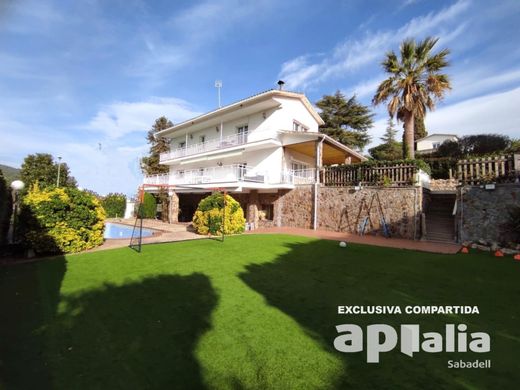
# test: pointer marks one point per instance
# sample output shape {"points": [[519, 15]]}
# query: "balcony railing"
{"points": [[231, 174], [209, 145]]}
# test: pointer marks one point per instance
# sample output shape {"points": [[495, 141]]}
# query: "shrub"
{"points": [[114, 205], [149, 207], [61, 220], [5, 208], [208, 217]]}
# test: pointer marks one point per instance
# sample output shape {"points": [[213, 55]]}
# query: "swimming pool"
{"points": [[115, 230]]}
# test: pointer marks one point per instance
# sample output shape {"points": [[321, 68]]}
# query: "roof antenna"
{"points": [[218, 85], [280, 84]]}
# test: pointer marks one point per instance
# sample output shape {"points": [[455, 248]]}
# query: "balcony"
{"points": [[207, 146], [235, 173]]}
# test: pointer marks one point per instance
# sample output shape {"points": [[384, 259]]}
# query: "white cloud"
{"points": [[353, 54], [493, 113], [121, 118], [365, 88]]}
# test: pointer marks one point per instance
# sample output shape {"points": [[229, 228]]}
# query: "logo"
{"points": [[384, 338]]}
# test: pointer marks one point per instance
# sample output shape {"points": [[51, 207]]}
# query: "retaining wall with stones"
{"points": [[485, 213], [339, 209]]}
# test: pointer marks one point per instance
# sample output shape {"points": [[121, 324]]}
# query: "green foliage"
{"points": [[150, 164], [347, 121], [440, 166], [514, 147], [414, 84], [474, 145], [61, 220], [114, 205], [5, 208], [419, 164], [419, 129], [209, 215], [387, 151], [149, 207], [390, 149], [42, 168]]}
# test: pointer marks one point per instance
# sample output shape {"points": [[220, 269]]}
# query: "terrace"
{"points": [[232, 174]]}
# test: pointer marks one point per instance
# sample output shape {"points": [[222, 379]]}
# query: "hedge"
{"points": [[114, 205], [61, 220], [149, 207], [209, 215], [419, 164]]}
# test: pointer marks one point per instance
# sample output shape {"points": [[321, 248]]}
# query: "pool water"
{"points": [[114, 230]]}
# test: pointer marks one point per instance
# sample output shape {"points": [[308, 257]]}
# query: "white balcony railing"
{"points": [[201, 147], [231, 174]]}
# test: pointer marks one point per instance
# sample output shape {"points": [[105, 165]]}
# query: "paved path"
{"points": [[400, 243]]}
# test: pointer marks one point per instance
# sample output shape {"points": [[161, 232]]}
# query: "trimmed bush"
{"points": [[208, 217], [5, 208], [149, 208], [61, 220], [114, 205]]}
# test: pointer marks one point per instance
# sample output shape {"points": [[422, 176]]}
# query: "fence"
{"points": [[395, 175], [488, 169]]}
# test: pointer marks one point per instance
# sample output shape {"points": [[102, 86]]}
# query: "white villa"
{"points": [[258, 149], [431, 143]]}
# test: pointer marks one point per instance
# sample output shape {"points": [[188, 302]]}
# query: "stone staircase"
{"points": [[439, 219]]}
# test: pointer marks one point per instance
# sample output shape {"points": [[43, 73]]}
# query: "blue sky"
{"points": [[85, 80]]}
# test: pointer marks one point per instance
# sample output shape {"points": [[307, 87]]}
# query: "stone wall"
{"points": [[485, 212], [339, 208], [295, 207]]}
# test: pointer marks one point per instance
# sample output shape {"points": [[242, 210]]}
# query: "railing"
{"points": [[201, 147], [231, 174], [487, 170], [349, 175]]}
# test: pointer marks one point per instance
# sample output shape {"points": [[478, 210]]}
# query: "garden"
{"points": [[255, 311]]}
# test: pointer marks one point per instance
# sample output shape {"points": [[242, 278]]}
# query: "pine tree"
{"points": [[150, 165], [390, 132], [419, 129], [347, 121]]}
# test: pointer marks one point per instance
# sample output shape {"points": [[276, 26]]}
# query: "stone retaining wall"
{"points": [[339, 208], [485, 212]]}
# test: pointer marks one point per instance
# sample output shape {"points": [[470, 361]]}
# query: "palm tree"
{"points": [[415, 84]]}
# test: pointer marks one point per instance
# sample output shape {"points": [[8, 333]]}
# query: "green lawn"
{"points": [[256, 311]]}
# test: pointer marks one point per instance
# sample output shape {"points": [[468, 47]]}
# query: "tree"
{"points": [[390, 149], [150, 165], [419, 129], [476, 145], [414, 85], [347, 121], [42, 168]]}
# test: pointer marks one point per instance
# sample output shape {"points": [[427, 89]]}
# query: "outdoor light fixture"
{"points": [[59, 167], [16, 186]]}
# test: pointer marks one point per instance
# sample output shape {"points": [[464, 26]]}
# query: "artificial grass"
{"points": [[254, 312]]}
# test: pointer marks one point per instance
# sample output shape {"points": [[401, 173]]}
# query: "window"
{"points": [[182, 144], [242, 133], [242, 170], [297, 126], [436, 145], [299, 167], [202, 138]]}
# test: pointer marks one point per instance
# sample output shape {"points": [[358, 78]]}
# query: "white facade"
{"points": [[267, 142], [432, 142]]}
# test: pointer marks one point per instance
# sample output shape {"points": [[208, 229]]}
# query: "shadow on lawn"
{"points": [[29, 296], [310, 281], [137, 335]]}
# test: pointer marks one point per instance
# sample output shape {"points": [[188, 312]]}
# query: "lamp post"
{"points": [[16, 187], [59, 168]]}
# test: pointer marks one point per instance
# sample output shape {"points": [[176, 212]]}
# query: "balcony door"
{"points": [[242, 134], [242, 170]]}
